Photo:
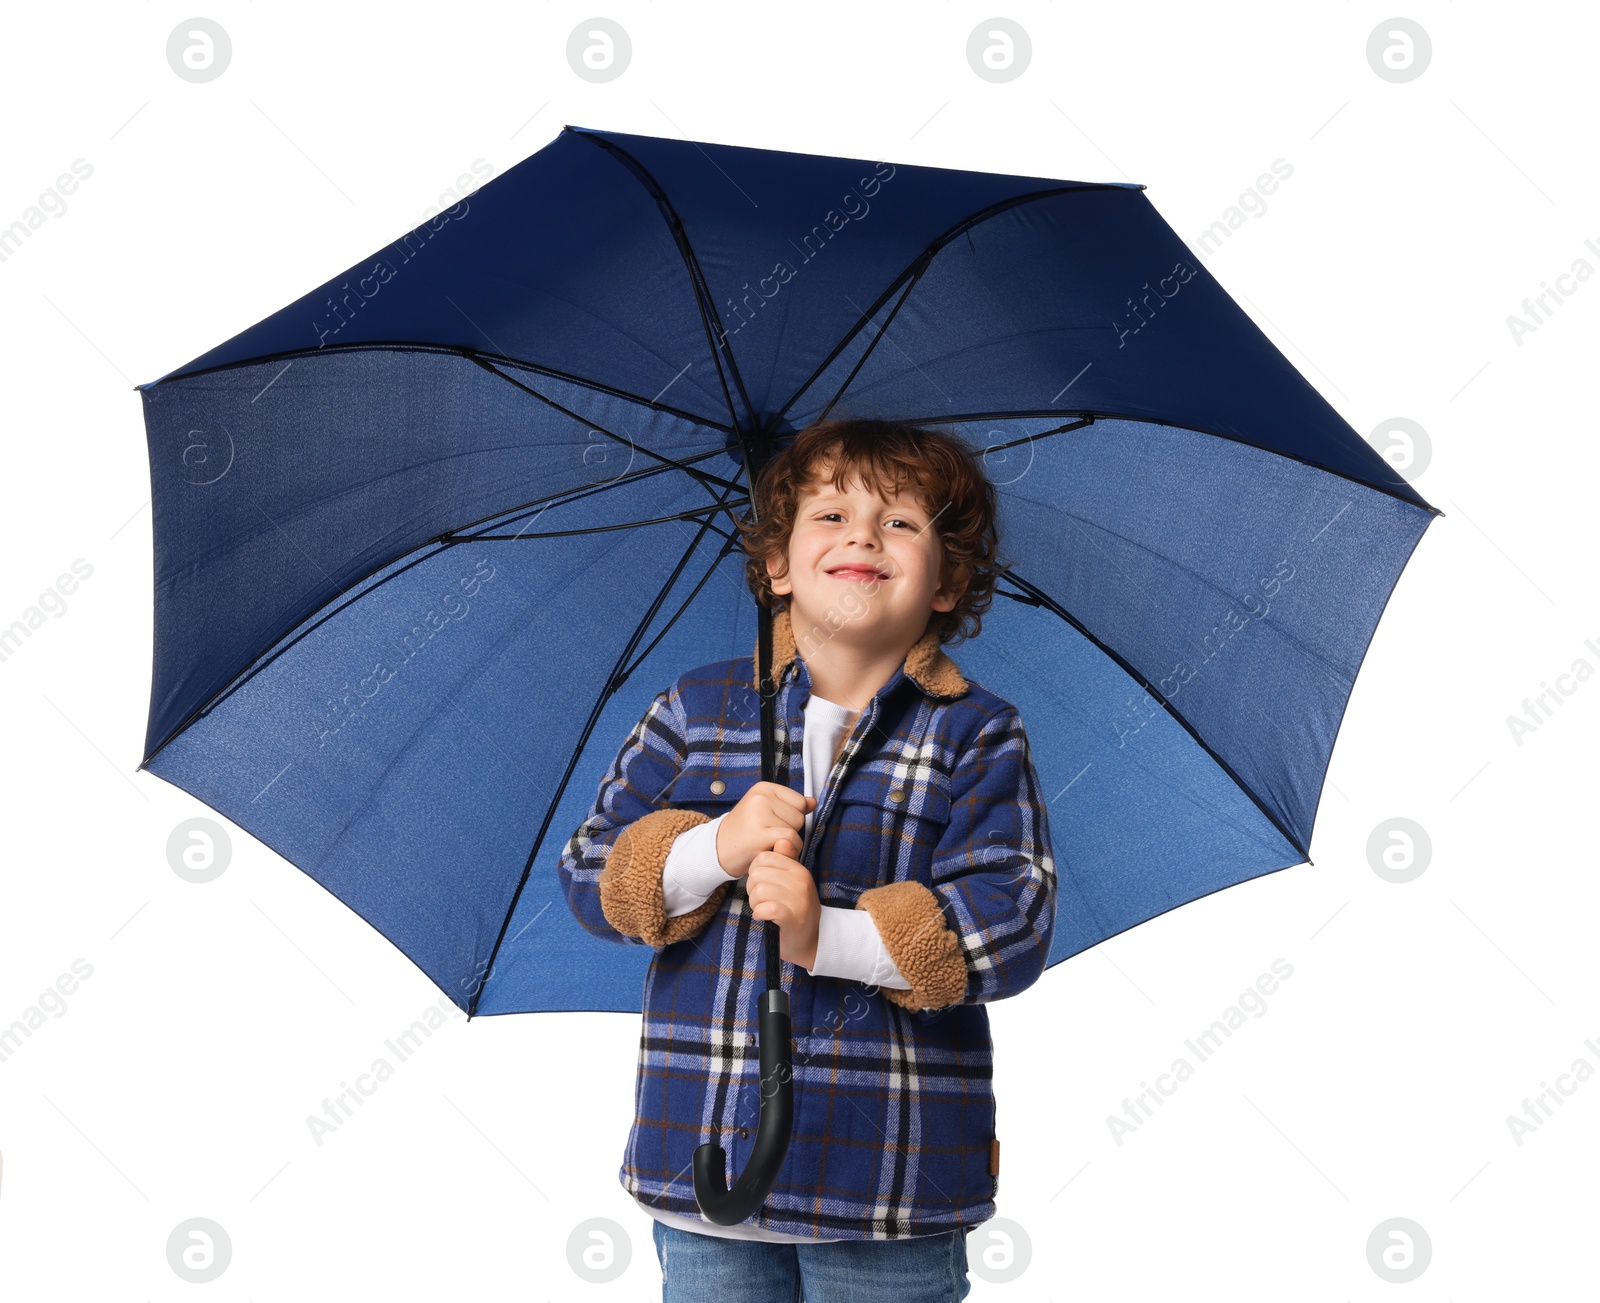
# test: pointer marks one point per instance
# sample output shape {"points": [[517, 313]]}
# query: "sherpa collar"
{"points": [[926, 664]]}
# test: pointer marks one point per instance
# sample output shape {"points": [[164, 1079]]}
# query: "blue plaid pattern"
{"points": [[894, 1112]]}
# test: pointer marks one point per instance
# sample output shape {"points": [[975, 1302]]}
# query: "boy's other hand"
{"points": [[765, 815], [782, 889]]}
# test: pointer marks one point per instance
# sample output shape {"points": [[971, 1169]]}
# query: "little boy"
{"points": [[903, 852]]}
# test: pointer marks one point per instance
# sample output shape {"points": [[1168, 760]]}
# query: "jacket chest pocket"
{"points": [[883, 828], [710, 789]]}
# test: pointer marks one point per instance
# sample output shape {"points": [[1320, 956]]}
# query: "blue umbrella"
{"points": [[428, 539]]}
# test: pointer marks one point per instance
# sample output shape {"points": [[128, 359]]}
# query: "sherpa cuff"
{"points": [[924, 949], [630, 884]]}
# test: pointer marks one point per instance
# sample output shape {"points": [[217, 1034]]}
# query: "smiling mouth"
{"points": [[857, 572]]}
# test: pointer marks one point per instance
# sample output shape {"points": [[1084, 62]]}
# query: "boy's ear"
{"points": [[780, 583], [950, 591]]}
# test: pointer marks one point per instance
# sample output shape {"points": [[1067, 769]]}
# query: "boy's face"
{"points": [[864, 566]]}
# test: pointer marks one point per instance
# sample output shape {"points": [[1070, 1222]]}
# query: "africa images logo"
{"points": [[346, 706], [343, 310]]}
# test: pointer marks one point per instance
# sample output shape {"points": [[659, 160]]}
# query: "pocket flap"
{"points": [[711, 789], [924, 798]]}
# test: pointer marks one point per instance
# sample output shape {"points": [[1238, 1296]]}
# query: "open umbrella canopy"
{"points": [[428, 539]]}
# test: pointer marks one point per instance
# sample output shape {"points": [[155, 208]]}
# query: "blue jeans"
{"points": [[921, 1269]]}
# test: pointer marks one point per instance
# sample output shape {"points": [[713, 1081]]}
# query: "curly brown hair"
{"points": [[885, 455]]}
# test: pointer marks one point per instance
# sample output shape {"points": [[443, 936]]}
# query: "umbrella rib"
{"points": [[607, 691], [1336, 673], [1068, 428], [693, 514], [716, 339], [1089, 417], [565, 497], [599, 429], [453, 350], [1035, 596], [625, 674], [914, 270], [278, 646], [867, 351], [706, 481]]}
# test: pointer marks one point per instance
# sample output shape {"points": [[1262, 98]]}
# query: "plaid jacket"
{"points": [[933, 821]]}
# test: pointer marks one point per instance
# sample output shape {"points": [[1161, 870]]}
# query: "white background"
{"points": [[1379, 1081]]}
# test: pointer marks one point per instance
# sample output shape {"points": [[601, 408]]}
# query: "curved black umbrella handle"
{"points": [[719, 1203]]}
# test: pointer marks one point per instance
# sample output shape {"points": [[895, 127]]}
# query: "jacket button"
{"points": [[898, 795], [718, 787], [744, 1133]]}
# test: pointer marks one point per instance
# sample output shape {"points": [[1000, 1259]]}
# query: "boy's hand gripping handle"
{"points": [[728, 1206]]}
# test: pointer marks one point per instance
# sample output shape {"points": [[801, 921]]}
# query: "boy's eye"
{"points": [[829, 515]]}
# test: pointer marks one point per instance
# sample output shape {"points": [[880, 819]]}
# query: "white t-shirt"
{"points": [[848, 944]]}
